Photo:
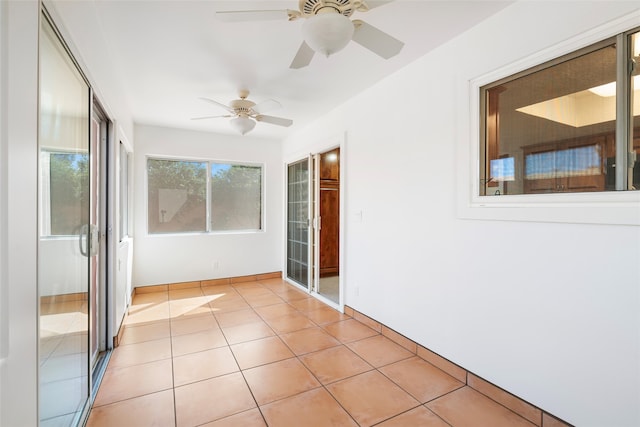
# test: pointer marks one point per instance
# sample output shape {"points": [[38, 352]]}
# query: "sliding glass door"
{"points": [[298, 222], [67, 237], [313, 224]]}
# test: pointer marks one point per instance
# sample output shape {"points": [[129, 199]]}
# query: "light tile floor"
{"points": [[266, 354]]}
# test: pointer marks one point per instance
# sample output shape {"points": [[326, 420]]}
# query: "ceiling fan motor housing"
{"points": [[242, 106], [313, 7]]}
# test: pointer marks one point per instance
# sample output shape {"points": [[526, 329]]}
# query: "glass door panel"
{"points": [[98, 135], [298, 222], [64, 234]]}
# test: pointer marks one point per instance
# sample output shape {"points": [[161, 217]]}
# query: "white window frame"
{"points": [[612, 207], [208, 230]]}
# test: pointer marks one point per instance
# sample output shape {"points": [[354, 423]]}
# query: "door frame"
{"points": [[317, 230], [313, 151], [104, 220]]}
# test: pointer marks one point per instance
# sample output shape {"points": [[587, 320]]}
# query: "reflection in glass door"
{"points": [[298, 222], [633, 174], [64, 234]]}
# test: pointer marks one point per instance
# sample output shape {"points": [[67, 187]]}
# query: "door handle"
{"points": [[317, 223], [83, 239], [94, 240], [89, 240]]}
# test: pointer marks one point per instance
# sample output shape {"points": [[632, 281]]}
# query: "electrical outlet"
{"points": [[216, 265]]}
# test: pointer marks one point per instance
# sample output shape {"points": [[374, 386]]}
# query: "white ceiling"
{"points": [[169, 53]]}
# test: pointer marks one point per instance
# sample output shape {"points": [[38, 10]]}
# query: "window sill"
{"points": [[205, 233], [617, 208]]}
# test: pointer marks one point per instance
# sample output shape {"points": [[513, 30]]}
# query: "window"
{"points": [[570, 125], [177, 193], [236, 197], [178, 200]]}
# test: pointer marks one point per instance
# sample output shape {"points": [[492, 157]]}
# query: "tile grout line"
{"points": [[228, 346], [402, 413], [467, 372], [374, 368], [173, 382], [242, 370], [248, 388], [298, 357], [115, 368], [324, 386], [343, 344]]}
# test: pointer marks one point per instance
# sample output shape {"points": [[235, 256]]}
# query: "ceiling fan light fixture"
{"points": [[243, 125], [327, 33]]}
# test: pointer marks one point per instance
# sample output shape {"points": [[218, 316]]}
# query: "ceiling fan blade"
{"points": [[274, 120], [266, 105], [303, 57], [370, 4], [227, 108], [252, 15], [376, 40], [210, 117]]}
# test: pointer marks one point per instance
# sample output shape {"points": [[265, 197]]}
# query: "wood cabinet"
{"points": [[330, 213]]}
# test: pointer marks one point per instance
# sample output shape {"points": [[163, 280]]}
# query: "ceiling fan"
{"points": [[246, 113], [327, 28]]}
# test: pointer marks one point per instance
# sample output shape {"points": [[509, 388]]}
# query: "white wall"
{"points": [[160, 259], [124, 273], [18, 162], [548, 311]]}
